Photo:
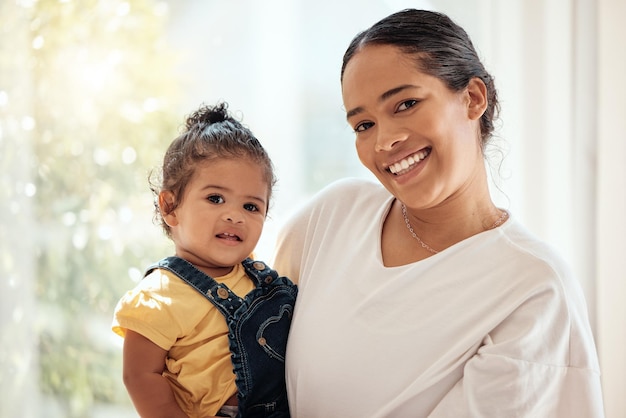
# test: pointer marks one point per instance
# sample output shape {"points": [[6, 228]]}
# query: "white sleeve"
{"points": [[499, 386], [295, 237], [288, 253], [539, 362]]}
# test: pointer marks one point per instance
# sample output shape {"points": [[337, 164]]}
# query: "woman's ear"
{"points": [[167, 205], [477, 95]]}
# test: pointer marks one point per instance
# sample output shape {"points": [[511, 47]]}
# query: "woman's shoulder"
{"points": [[539, 261], [345, 196], [530, 247], [336, 202], [542, 274], [351, 189]]}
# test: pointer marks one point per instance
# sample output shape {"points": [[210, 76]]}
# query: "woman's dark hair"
{"points": [[210, 133], [441, 48]]}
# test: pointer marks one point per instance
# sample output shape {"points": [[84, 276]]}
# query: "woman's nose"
{"points": [[389, 136]]}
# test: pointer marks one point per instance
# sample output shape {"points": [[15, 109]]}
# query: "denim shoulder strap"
{"points": [[217, 293]]}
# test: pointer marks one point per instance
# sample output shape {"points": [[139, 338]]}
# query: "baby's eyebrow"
{"points": [[257, 198], [214, 186]]}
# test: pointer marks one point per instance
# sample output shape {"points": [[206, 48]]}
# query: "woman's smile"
{"points": [[407, 164]]}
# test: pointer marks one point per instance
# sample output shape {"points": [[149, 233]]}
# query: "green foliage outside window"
{"points": [[92, 86]]}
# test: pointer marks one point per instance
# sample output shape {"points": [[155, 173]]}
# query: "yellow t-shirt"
{"points": [[177, 318]]}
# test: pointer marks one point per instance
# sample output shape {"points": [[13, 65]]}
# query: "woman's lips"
{"points": [[407, 163]]}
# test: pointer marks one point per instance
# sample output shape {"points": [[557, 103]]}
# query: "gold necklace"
{"points": [[430, 249]]}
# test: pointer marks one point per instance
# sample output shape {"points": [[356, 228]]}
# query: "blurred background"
{"points": [[93, 91]]}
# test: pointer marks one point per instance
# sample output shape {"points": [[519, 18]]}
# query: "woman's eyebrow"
{"points": [[389, 93]]}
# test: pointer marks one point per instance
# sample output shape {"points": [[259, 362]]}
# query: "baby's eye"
{"points": [[215, 198], [251, 207], [363, 126], [407, 104]]}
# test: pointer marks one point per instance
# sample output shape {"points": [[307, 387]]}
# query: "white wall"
{"points": [[611, 203]]}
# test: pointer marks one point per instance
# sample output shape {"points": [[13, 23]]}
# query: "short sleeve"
{"points": [[155, 310]]}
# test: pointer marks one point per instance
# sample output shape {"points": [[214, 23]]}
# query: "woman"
{"points": [[418, 296]]}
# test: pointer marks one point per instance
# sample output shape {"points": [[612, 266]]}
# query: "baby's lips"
{"points": [[228, 236]]}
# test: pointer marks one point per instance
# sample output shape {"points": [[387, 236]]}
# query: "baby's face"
{"points": [[221, 215]]}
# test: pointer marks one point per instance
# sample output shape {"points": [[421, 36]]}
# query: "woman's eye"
{"points": [[407, 104], [251, 207], [363, 126], [215, 198]]}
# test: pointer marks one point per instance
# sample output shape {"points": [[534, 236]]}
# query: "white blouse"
{"points": [[494, 326]]}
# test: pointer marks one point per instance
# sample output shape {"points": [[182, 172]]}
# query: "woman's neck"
{"points": [[422, 232]]}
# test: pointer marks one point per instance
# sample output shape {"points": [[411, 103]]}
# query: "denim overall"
{"points": [[258, 325]]}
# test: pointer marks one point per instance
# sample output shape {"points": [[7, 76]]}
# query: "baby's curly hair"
{"points": [[210, 133]]}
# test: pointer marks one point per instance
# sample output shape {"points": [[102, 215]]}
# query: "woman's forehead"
{"points": [[377, 69]]}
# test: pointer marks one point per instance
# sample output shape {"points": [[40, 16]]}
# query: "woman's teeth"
{"points": [[408, 162]]}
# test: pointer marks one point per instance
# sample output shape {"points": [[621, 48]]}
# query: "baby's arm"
{"points": [[144, 362]]}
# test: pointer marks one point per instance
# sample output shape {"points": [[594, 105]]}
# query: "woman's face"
{"points": [[419, 138]]}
